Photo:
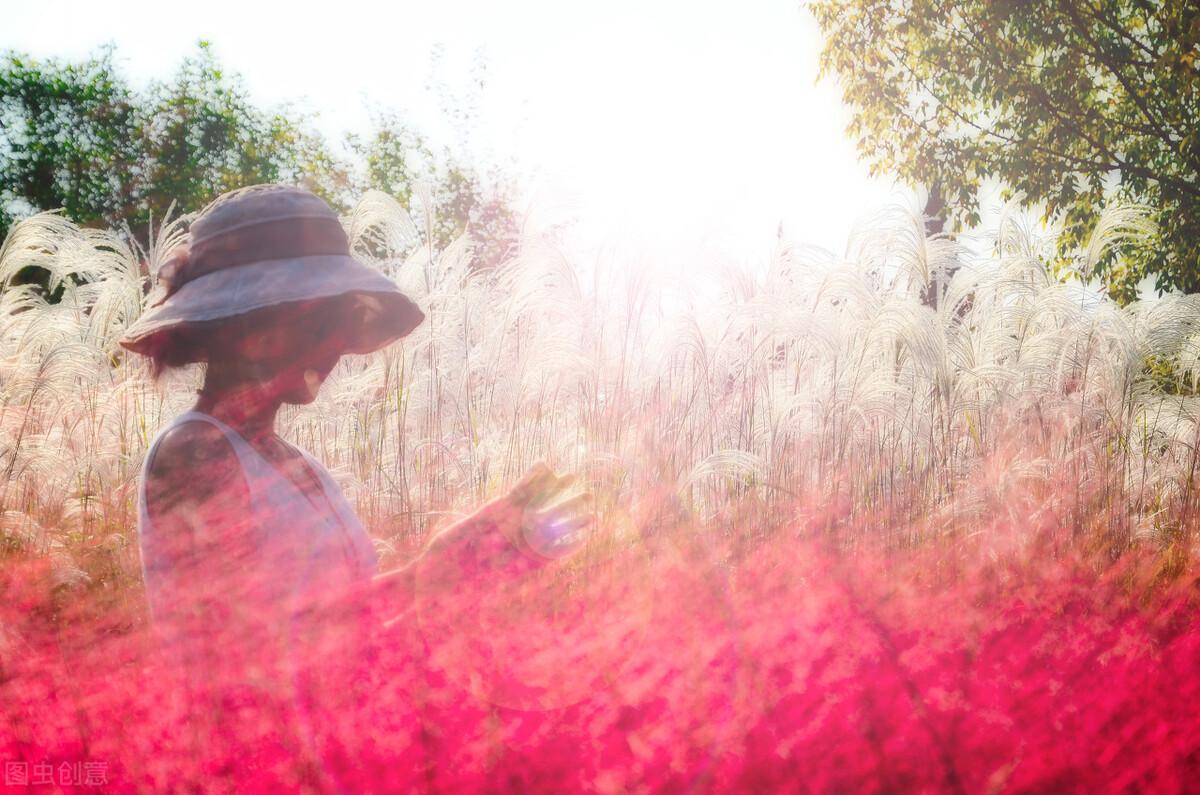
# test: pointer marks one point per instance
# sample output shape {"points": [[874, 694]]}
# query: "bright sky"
{"points": [[679, 133]]}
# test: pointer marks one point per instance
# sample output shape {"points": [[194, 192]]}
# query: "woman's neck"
{"points": [[245, 408]]}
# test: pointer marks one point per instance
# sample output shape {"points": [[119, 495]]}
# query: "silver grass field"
{"points": [[820, 390]]}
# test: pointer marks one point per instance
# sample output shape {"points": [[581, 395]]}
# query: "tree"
{"points": [[202, 136], [77, 137], [68, 138], [1072, 103], [395, 158]]}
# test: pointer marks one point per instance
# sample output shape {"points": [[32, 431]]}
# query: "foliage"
{"points": [[793, 668], [70, 133], [1165, 376], [1072, 104], [77, 136], [202, 136], [454, 197]]}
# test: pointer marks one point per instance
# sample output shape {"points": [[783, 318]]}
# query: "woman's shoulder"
{"points": [[192, 461], [189, 443]]}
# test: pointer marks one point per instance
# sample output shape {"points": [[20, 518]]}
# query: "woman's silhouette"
{"points": [[240, 532]]}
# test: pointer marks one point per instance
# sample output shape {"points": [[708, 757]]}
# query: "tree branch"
{"points": [[1162, 132]]}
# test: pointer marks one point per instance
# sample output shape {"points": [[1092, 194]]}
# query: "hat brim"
{"points": [[239, 290]]}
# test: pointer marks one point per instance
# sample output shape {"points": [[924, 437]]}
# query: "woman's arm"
{"points": [[196, 551], [454, 552], [501, 538]]}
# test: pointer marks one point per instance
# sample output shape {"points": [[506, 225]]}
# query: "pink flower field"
{"points": [[677, 666]]}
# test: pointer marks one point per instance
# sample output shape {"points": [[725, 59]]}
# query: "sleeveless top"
{"points": [[288, 548], [230, 604]]}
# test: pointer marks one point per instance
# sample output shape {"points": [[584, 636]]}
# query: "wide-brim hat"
{"points": [[268, 246]]}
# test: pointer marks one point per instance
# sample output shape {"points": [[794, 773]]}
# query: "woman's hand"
{"points": [[518, 530], [508, 536], [529, 520], [552, 527], [535, 518]]}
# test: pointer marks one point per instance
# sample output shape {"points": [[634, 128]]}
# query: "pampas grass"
{"points": [[820, 375]]}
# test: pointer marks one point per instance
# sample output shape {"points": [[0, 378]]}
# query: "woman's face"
{"points": [[290, 350]]}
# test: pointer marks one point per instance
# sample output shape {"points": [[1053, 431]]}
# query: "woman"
{"points": [[240, 532]]}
